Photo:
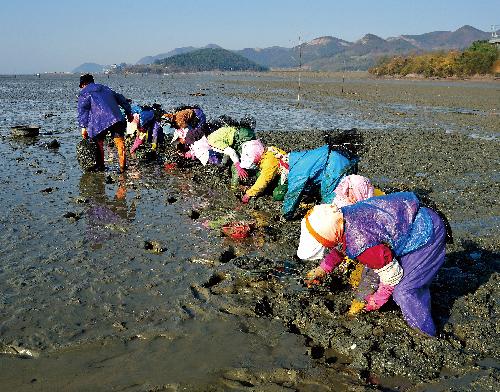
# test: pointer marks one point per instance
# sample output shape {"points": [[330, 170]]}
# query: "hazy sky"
{"points": [[59, 35]]}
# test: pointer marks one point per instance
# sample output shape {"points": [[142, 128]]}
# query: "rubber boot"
{"points": [[100, 153], [120, 146], [235, 180]]}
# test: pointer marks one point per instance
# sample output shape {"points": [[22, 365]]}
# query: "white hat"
{"points": [[251, 152], [309, 248]]}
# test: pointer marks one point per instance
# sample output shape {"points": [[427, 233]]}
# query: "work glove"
{"points": [[85, 135], [242, 173], [153, 146], [356, 307], [189, 155], [137, 143], [377, 299], [315, 276], [246, 198]]}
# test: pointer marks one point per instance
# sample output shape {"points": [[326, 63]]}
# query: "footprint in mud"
{"points": [[171, 200], [201, 293], [214, 280], [194, 214], [227, 255], [53, 144], [73, 216], [264, 307], [154, 247]]}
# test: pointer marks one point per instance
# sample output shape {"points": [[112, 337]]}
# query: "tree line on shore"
{"points": [[481, 58]]}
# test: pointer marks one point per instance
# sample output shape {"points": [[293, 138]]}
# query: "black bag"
{"points": [[86, 154]]}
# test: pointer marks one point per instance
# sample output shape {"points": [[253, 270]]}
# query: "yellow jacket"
{"points": [[222, 138], [269, 167]]}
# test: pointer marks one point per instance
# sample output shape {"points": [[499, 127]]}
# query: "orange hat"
{"points": [[321, 228]]}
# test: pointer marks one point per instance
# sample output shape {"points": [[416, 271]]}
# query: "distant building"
{"points": [[495, 39]]}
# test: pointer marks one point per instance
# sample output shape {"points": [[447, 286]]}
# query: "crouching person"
{"points": [[270, 162], [402, 241]]}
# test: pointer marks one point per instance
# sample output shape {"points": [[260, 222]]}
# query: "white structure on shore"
{"points": [[495, 38]]}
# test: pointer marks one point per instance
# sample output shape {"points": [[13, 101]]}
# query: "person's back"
{"points": [[99, 114], [321, 167], [99, 107]]}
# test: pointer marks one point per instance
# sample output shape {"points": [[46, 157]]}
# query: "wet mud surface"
{"points": [[125, 282]]}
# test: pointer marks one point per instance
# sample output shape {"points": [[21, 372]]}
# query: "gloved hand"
{"points": [[153, 146], [314, 276], [377, 299], [246, 198], [85, 135], [242, 173], [130, 117], [356, 307], [189, 155], [137, 142]]}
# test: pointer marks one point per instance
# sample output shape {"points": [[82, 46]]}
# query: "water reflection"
{"points": [[107, 215]]}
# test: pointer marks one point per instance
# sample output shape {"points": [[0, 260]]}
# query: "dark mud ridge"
{"points": [[379, 347]]}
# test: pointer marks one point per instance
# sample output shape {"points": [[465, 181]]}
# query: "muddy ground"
{"points": [[379, 347], [152, 296]]}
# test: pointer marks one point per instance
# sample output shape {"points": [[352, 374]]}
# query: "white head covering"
{"points": [[251, 152], [351, 189], [200, 149], [309, 248], [323, 226]]}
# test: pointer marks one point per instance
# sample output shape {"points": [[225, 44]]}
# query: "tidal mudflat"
{"points": [[124, 282]]}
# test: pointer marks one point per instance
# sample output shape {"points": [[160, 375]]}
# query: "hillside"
{"points": [[89, 68], [445, 40], [478, 59], [273, 57], [198, 61], [209, 60], [175, 52]]}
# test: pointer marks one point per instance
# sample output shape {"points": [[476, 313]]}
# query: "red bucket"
{"points": [[170, 166], [237, 230]]}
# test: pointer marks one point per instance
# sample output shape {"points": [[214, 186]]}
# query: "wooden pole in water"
{"points": [[343, 78], [300, 69]]}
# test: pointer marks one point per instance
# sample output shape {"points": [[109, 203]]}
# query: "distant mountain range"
{"points": [[334, 54]]}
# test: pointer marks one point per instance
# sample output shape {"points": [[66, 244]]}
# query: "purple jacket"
{"points": [[99, 108], [395, 219], [198, 132]]}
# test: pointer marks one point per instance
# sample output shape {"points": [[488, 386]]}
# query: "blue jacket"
{"points": [[318, 167], [99, 108]]}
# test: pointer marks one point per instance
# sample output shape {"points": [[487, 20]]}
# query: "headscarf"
{"points": [[352, 189], [322, 227], [184, 118], [251, 153], [200, 149]]}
